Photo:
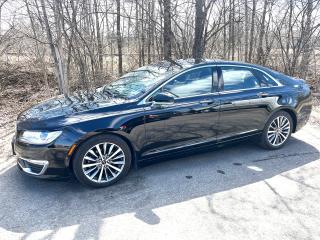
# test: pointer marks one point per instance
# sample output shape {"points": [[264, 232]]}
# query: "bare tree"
{"points": [[253, 15], [262, 32], [86, 43], [99, 40], [119, 40], [246, 30], [167, 35], [306, 40], [200, 18], [55, 52]]}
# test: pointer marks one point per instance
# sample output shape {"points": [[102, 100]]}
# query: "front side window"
{"points": [[192, 83], [236, 78]]}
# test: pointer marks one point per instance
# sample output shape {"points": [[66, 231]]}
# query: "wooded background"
{"points": [[86, 43]]}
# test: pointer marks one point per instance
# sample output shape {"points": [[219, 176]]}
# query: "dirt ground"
{"points": [[19, 89]]}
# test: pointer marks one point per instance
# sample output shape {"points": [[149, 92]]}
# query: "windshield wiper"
{"points": [[108, 92], [114, 93]]}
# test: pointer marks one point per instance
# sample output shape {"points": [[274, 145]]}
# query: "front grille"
{"points": [[34, 167]]}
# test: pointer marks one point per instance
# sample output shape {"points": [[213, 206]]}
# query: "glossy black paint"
{"points": [[152, 129]]}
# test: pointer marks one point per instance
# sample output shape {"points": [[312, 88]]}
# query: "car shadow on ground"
{"points": [[29, 205]]}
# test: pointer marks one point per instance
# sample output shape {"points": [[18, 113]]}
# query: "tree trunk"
{"points": [[57, 59], [99, 41], [40, 55], [138, 34], [288, 68], [260, 54], [198, 44], [142, 35], [306, 42], [59, 20], [246, 30], [119, 40], [150, 29], [253, 15], [231, 29], [224, 31], [167, 30]]}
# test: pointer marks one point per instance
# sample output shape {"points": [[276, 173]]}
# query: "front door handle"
{"points": [[208, 101], [262, 94]]}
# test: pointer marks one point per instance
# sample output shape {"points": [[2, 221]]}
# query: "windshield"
{"points": [[137, 82]]}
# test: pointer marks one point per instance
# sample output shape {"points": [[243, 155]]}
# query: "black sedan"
{"points": [[158, 110]]}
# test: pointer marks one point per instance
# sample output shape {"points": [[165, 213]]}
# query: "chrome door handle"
{"points": [[208, 101], [262, 94]]}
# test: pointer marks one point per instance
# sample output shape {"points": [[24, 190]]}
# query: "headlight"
{"points": [[39, 137]]}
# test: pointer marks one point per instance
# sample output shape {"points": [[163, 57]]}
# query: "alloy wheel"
{"points": [[103, 162], [278, 131]]}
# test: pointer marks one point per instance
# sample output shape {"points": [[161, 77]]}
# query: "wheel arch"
{"points": [[88, 137]]}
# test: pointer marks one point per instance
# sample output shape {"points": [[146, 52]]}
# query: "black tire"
{"points": [[80, 154], [264, 142]]}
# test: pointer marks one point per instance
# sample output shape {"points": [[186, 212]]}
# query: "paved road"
{"points": [[236, 192]]}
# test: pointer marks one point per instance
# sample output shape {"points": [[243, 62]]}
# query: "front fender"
{"points": [[128, 127]]}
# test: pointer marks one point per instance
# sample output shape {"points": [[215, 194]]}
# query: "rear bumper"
{"points": [[303, 113]]}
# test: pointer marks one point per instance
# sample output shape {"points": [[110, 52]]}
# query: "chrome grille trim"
{"points": [[28, 169]]}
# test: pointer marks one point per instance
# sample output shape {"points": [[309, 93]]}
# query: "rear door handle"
{"points": [[226, 102], [207, 101], [262, 94]]}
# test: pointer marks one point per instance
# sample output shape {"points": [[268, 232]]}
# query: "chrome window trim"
{"points": [[43, 163], [178, 104], [246, 89], [145, 99], [251, 67]]}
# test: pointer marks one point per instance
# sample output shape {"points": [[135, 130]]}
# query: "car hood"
{"points": [[62, 106]]}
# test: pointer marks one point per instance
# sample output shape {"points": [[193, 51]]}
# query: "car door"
{"points": [[193, 116], [244, 101]]}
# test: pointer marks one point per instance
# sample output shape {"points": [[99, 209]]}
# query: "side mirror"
{"points": [[163, 99]]}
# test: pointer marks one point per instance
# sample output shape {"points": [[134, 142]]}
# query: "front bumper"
{"points": [[33, 167], [47, 161]]}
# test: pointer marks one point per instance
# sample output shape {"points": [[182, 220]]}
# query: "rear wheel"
{"points": [[102, 161], [277, 131]]}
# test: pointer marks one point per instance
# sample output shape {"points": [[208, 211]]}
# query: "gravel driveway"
{"points": [[234, 192]]}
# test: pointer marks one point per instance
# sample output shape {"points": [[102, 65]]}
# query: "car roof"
{"points": [[181, 64], [224, 62], [173, 67], [280, 77]]}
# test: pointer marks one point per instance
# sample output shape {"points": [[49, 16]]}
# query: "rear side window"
{"points": [[236, 78], [265, 80], [282, 78]]}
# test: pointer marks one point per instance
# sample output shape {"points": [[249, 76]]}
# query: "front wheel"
{"points": [[102, 161], [277, 131]]}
